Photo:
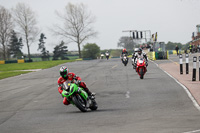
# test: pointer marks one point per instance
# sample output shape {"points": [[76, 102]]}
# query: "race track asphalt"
{"points": [[30, 103]]}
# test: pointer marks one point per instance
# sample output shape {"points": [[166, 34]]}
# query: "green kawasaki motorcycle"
{"points": [[78, 97]]}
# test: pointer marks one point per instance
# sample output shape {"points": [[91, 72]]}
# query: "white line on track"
{"points": [[114, 66], [195, 131], [127, 94], [186, 89]]}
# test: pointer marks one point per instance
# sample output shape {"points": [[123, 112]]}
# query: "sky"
{"points": [[173, 20]]}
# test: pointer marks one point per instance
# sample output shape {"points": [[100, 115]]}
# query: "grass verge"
{"points": [[7, 74], [32, 65], [13, 69]]}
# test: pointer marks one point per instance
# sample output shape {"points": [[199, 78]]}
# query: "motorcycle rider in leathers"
{"points": [[124, 52], [65, 75], [139, 54]]}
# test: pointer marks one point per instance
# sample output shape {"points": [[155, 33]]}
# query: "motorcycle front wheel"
{"points": [[80, 102], [141, 73], [93, 105]]}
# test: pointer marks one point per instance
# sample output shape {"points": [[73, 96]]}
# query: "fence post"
{"points": [[194, 68], [181, 64], [187, 63], [199, 68]]}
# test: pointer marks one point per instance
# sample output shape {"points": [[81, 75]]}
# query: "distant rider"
{"points": [[69, 77], [140, 54], [134, 52], [124, 52], [107, 53]]}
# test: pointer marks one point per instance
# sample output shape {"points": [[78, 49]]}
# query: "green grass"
{"points": [[13, 69], [7, 74], [32, 65], [51, 58]]}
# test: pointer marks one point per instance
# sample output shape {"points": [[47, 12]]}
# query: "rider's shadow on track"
{"points": [[96, 111]]}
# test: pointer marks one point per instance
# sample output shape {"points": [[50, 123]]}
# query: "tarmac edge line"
{"points": [[185, 88]]}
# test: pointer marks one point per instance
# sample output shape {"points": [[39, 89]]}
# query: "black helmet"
{"points": [[140, 51], [64, 71]]}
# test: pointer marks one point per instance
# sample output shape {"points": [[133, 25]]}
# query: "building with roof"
{"points": [[196, 37]]}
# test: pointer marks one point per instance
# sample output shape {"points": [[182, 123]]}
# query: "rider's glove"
{"points": [[77, 82], [66, 93]]}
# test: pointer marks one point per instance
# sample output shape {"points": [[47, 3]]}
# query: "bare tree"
{"points": [[77, 25], [25, 19], [6, 27]]}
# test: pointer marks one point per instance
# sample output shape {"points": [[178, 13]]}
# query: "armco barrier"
{"points": [[10, 61], [167, 54], [170, 51], [151, 55], [158, 55], [174, 52], [20, 61], [29, 60], [80, 59], [2, 61], [14, 61]]}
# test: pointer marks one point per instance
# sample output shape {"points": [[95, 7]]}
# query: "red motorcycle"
{"points": [[141, 68]]}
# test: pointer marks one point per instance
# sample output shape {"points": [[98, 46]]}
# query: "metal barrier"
{"points": [[151, 55], [194, 68], [2, 61], [187, 63], [181, 63], [199, 68]]}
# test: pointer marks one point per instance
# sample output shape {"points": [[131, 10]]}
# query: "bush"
{"points": [[91, 50]]}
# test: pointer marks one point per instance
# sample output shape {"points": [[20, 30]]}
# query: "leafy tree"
{"points": [[15, 45], [91, 50], [45, 53], [126, 42], [60, 51], [172, 45], [116, 52], [77, 25]]}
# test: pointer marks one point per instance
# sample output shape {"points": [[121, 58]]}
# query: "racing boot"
{"points": [[90, 94]]}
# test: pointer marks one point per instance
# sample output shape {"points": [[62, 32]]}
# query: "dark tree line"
{"points": [[15, 45], [60, 51], [42, 48]]}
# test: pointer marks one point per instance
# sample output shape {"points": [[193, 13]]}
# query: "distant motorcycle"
{"points": [[78, 97], [124, 59], [107, 55], [141, 68], [102, 55]]}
